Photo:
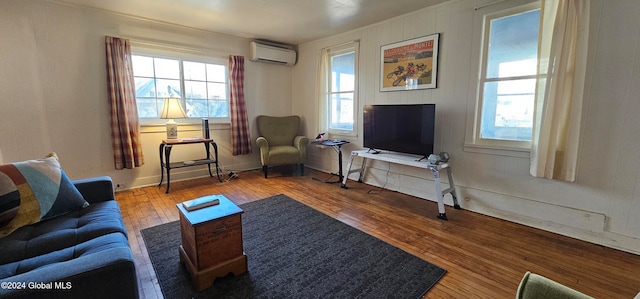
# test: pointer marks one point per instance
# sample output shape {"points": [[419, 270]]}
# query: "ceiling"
{"points": [[288, 21]]}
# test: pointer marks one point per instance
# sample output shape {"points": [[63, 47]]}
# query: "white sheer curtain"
{"points": [[562, 63], [322, 90]]}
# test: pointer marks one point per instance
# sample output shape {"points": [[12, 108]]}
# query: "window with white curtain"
{"points": [[507, 75], [199, 82]]}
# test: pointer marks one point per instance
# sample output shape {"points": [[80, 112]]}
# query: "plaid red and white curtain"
{"points": [[240, 139], [125, 127]]}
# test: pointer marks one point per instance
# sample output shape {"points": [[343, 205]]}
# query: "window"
{"points": [[341, 77], [507, 77], [200, 83]]}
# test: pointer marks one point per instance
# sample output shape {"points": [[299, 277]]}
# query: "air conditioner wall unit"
{"points": [[272, 53]]}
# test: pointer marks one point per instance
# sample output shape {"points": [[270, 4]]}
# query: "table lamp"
{"points": [[172, 109]]}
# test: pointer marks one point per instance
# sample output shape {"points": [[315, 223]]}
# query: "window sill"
{"points": [[155, 127], [498, 150], [347, 137]]}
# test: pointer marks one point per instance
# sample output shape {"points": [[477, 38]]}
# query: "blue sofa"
{"points": [[83, 253]]}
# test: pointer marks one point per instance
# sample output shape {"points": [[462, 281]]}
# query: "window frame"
{"points": [[191, 56], [474, 142], [351, 47]]}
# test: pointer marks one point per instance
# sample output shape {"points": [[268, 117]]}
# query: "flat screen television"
{"points": [[400, 128]]}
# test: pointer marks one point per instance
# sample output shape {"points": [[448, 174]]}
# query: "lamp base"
{"points": [[172, 129]]}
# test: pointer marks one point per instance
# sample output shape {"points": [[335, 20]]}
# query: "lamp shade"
{"points": [[172, 109]]}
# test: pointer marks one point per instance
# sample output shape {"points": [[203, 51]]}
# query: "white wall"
{"points": [[601, 206], [54, 95], [54, 98]]}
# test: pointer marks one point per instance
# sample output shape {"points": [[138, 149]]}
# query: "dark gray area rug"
{"points": [[295, 251]]}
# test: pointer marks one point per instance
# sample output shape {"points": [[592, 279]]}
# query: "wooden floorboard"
{"points": [[485, 257]]}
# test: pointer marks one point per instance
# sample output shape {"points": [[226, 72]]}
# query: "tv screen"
{"points": [[400, 128]]}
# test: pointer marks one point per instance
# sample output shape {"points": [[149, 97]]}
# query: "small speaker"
{"points": [[205, 128]]}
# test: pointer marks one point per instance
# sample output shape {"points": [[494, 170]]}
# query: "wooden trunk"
{"points": [[212, 243]]}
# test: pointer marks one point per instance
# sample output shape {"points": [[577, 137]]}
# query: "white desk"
{"points": [[409, 161]]}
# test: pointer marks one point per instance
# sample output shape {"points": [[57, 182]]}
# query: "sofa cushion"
{"points": [[62, 232], [33, 190], [57, 258]]}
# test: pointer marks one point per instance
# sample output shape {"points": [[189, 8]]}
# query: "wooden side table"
{"points": [[212, 242], [165, 157]]}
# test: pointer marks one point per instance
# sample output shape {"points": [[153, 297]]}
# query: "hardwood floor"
{"points": [[485, 257]]}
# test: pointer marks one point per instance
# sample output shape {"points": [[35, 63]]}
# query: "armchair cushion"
{"points": [[284, 154]]}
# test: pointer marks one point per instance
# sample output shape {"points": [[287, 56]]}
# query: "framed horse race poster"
{"points": [[410, 64]]}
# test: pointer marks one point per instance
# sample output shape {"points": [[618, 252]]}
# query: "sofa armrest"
{"points": [[96, 189]]}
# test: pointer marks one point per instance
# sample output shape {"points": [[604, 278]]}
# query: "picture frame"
{"points": [[410, 64]]}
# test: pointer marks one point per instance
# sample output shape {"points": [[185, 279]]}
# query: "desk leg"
{"points": [[167, 154], [215, 154], [452, 187], [346, 177], [161, 165], [364, 165], [206, 148], [340, 176], [436, 175], [349, 171]]}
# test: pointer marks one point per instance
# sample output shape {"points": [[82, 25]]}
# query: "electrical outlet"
{"points": [[232, 175], [120, 186]]}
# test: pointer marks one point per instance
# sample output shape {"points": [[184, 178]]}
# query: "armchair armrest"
{"points": [[301, 142], [262, 143], [95, 189]]}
